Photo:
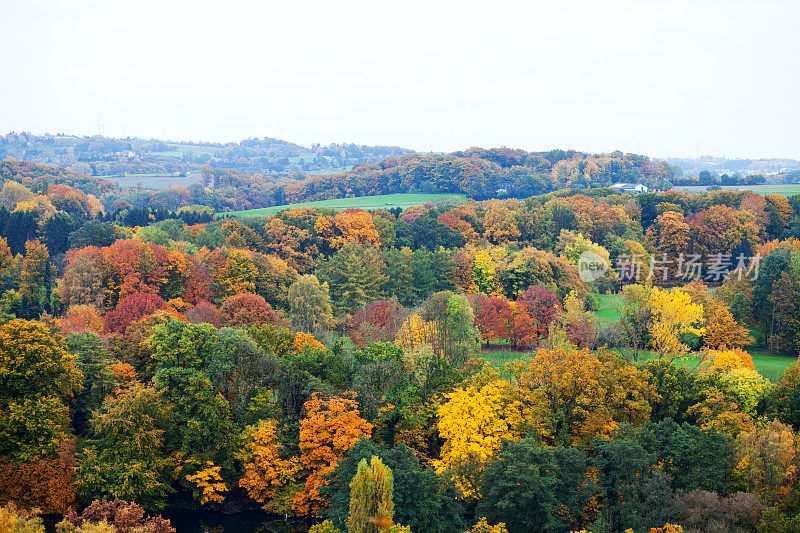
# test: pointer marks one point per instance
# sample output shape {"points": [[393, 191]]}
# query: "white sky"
{"points": [[660, 78]]}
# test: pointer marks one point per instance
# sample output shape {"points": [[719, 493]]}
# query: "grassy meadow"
{"points": [[157, 182], [768, 365], [784, 189], [384, 201]]}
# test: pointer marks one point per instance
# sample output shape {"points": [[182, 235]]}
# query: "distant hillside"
{"points": [[39, 177], [260, 173], [743, 167], [480, 173], [104, 156]]}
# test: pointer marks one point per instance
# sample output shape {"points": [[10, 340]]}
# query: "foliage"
{"points": [[530, 486], [266, 469], [419, 501], [118, 515], [768, 463], [125, 457], [483, 527], [577, 395], [328, 429], [132, 308], [247, 310], [16, 520], [310, 304], [371, 497], [473, 423], [673, 315]]}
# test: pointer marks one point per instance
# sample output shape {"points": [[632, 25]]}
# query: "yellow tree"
{"points": [[673, 315], [484, 272], [473, 422], [725, 360], [768, 463], [371, 497], [354, 225], [209, 485], [501, 226], [34, 278], [238, 275], [266, 472]]}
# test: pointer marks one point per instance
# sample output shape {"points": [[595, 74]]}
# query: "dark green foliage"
{"points": [[693, 457], [201, 424], [675, 387], [380, 383], [92, 357], [95, 233], [56, 231], [533, 488], [331, 366], [238, 366], [636, 495], [418, 501]]}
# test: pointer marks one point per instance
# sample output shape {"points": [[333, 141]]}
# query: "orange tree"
{"points": [[577, 395], [330, 428]]}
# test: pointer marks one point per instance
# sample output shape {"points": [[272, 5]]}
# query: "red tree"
{"points": [[542, 306], [494, 318], [132, 308], [247, 310], [524, 331], [377, 322], [205, 312]]}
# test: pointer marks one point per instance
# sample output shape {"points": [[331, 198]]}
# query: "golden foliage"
{"points": [[304, 340], [209, 484], [328, 430], [473, 423], [768, 463], [673, 315], [576, 395], [483, 527], [266, 472]]}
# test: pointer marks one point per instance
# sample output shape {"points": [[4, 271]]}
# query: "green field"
{"points": [[608, 313], [787, 189], [384, 201], [153, 181]]}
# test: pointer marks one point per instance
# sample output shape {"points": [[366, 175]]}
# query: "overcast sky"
{"points": [[660, 78]]}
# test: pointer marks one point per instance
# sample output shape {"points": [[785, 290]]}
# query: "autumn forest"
{"points": [[535, 351]]}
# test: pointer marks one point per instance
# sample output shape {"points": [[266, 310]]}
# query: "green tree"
{"points": [[532, 487], [92, 357], [238, 366], [183, 345], [35, 279], [125, 456], [371, 496], [201, 425], [694, 458], [420, 503], [355, 275], [310, 305]]}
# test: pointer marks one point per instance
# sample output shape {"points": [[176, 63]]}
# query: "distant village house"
{"points": [[630, 188]]}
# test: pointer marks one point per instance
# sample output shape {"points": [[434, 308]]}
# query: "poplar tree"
{"points": [[371, 493]]}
